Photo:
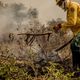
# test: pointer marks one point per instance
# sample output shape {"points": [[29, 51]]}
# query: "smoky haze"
{"points": [[47, 10], [15, 17]]}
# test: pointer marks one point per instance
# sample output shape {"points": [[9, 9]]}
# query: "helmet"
{"points": [[62, 4]]}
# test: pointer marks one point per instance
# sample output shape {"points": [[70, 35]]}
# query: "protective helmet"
{"points": [[60, 2]]}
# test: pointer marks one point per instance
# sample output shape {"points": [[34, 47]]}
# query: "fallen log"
{"points": [[35, 34]]}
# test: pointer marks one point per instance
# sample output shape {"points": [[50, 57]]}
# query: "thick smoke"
{"points": [[16, 17], [8, 22]]}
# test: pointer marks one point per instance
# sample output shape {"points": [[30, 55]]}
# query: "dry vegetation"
{"points": [[36, 61], [24, 57]]}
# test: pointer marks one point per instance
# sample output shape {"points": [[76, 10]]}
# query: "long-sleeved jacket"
{"points": [[73, 17]]}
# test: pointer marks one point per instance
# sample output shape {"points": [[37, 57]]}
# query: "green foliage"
{"points": [[10, 71], [56, 72]]}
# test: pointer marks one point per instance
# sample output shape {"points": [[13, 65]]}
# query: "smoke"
{"points": [[16, 18], [12, 17]]}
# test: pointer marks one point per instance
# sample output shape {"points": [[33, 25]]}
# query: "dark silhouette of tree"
{"points": [[32, 13], [19, 13]]}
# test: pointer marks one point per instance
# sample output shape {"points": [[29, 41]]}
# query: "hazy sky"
{"points": [[47, 8]]}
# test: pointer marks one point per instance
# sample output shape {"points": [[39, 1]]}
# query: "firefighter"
{"points": [[73, 15], [73, 22]]}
